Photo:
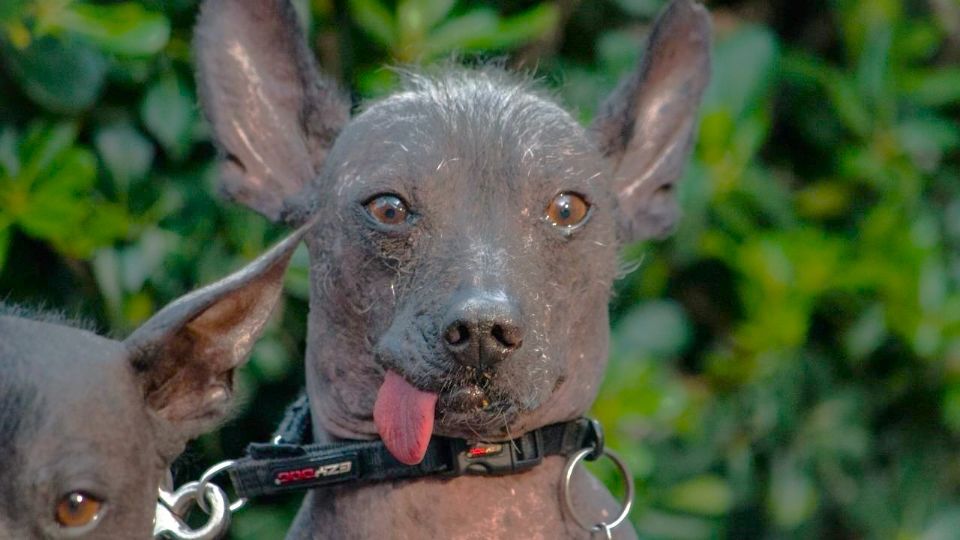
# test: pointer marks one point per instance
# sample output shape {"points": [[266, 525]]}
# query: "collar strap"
{"points": [[282, 467]]}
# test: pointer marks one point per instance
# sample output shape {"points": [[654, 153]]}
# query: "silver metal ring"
{"points": [[168, 522], [209, 475], [565, 491]]}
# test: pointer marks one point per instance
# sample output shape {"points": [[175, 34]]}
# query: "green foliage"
{"points": [[420, 30], [786, 366], [46, 191]]}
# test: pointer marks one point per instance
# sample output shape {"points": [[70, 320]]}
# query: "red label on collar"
{"points": [[313, 472]]}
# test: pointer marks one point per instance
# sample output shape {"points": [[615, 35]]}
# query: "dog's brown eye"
{"points": [[388, 209], [77, 509], [567, 210]]}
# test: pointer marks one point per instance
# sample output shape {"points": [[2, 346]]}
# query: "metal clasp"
{"points": [[172, 507]]}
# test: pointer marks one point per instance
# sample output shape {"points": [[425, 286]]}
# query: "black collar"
{"points": [[287, 464]]}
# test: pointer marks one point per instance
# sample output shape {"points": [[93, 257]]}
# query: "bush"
{"points": [[788, 365]]}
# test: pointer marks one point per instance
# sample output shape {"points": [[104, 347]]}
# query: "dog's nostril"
{"points": [[508, 337], [457, 334], [482, 329]]}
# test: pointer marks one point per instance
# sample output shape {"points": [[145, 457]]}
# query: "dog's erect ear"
{"points": [[186, 354], [273, 115], [646, 127]]}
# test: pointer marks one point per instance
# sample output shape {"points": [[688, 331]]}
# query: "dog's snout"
{"points": [[482, 330]]}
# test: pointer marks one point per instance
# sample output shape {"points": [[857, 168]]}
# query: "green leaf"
{"points": [[469, 31], [934, 87], [59, 204], [375, 20], [125, 29], [103, 224], [859, 20], [873, 77], [61, 76], [431, 12], [168, 113], [535, 23], [42, 145], [377, 82], [125, 153], [482, 29]]}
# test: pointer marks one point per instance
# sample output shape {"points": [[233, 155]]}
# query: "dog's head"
{"points": [[90, 425], [467, 226]]}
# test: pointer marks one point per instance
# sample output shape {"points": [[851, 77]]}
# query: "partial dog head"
{"points": [[88, 425], [467, 227]]}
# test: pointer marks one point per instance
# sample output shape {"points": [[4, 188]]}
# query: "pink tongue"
{"points": [[404, 418]]}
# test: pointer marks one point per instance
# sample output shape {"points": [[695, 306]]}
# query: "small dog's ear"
{"points": [[273, 115], [646, 127], [186, 354]]}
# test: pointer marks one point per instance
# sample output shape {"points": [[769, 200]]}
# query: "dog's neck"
{"points": [[462, 507]]}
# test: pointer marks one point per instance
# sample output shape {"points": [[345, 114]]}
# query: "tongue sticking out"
{"points": [[404, 418]]}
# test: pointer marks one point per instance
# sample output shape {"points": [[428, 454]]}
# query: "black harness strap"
{"points": [[288, 465]]}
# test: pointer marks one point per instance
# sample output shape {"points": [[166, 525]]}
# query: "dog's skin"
{"points": [[452, 292], [85, 415]]}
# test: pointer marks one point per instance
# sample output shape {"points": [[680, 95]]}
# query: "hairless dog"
{"points": [[465, 245], [89, 425]]}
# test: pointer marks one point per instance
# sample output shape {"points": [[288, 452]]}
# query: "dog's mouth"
{"points": [[405, 415]]}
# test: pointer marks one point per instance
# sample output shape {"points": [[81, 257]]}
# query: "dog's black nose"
{"points": [[482, 329]]}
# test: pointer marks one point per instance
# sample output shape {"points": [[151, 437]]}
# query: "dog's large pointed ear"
{"points": [[274, 117], [186, 354], [646, 127]]}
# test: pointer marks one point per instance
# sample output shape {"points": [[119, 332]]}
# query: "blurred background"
{"points": [[786, 366]]}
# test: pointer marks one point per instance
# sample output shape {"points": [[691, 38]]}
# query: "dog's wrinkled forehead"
{"points": [[53, 373], [489, 123]]}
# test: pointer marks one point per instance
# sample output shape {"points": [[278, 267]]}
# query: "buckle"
{"points": [[594, 438], [495, 459]]}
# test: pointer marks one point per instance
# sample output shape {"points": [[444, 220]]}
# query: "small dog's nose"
{"points": [[482, 330]]}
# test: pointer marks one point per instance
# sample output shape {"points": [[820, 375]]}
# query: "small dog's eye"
{"points": [[77, 508], [387, 209], [567, 210]]}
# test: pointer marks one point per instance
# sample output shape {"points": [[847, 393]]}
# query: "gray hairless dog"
{"points": [[465, 245], [89, 425]]}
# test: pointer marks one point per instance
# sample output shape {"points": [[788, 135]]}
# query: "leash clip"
{"points": [[172, 507], [495, 459]]}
